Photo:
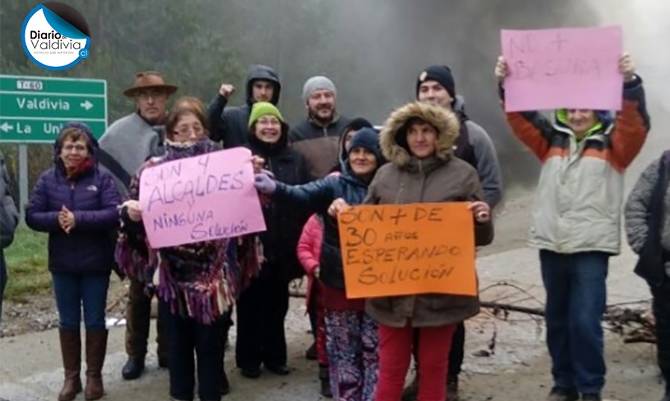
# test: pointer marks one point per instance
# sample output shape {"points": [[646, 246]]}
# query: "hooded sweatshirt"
{"points": [[229, 124]]}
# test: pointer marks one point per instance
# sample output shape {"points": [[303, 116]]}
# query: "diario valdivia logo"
{"points": [[55, 36]]}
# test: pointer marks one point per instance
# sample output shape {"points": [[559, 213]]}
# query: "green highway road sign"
{"points": [[34, 109]]}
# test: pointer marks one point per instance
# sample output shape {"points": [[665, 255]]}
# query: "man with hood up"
{"points": [[229, 124]]}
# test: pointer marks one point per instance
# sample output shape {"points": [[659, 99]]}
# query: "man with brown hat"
{"points": [[126, 144]]}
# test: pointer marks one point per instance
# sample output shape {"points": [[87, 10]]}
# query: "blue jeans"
{"points": [[576, 299], [76, 289]]}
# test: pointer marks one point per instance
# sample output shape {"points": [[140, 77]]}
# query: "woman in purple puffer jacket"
{"points": [[76, 203]]}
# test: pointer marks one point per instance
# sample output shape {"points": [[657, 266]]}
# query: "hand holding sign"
{"points": [[627, 67], [338, 205], [133, 209], [481, 211]]}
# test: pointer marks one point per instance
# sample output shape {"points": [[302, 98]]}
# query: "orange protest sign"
{"points": [[408, 249]]}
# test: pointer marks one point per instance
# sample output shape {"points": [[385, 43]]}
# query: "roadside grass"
{"points": [[27, 265]]}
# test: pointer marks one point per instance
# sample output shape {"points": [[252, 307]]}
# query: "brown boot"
{"points": [[96, 347], [70, 347]]}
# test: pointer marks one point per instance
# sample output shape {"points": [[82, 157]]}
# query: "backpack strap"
{"points": [[463, 149]]}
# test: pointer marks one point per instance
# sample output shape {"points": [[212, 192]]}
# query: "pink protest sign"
{"points": [[568, 67], [200, 198]]}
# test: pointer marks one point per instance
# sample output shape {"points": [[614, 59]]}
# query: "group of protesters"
{"points": [[428, 150]]}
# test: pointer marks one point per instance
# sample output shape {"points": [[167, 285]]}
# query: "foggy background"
{"points": [[372, 49]]}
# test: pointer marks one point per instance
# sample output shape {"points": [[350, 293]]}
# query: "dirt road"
{"points": [[518, 368]]}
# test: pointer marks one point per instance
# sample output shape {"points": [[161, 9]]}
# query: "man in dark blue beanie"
{"points": [[436, 85]]}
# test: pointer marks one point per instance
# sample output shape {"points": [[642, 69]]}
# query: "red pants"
{"points": [[395, 351]]}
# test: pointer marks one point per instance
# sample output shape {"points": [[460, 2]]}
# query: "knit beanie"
{"points": [[441, 74], [356, 124], [261, 109], [367, 138], [315, 83]]}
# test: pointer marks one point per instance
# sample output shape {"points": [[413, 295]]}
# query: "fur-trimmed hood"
{"points": [[445, 121]]}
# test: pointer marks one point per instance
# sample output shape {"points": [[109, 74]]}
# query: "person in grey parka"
{"points": [[643, 211], [9, 218]]}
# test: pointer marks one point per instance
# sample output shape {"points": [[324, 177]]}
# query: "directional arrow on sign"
{"points": [[86, 105], [6, 127]]}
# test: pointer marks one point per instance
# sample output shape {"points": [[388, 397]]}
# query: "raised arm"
{"points": [[632, 121], [315, 196], [532, 128], [215, 112]]}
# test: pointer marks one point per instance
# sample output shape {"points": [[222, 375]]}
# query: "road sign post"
{"points": [[34, 109]]}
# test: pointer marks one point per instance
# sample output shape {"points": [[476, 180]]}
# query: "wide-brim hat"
{"points": [[149, 80]]}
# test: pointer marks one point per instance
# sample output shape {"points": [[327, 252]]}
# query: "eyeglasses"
{"points": [[186, 130]]}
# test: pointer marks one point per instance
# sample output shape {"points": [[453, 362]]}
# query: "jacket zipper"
{"points": [[72, 195], [423, 181]]}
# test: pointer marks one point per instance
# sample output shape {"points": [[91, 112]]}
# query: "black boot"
{"points": [[324, 377], [410, 392], [133, 368], [452, 388], [311, 352], [666, 397]]}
